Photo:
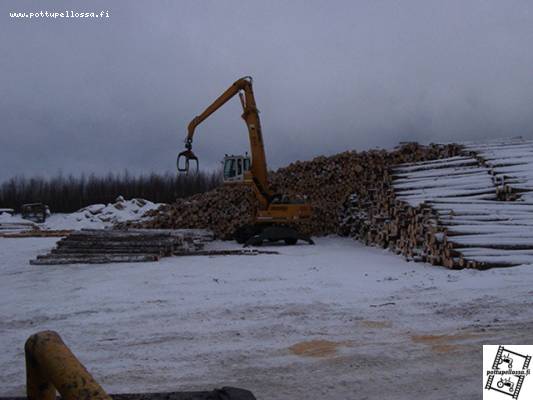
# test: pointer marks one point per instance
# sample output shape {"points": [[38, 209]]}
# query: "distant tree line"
{"points": [[70, 193]]}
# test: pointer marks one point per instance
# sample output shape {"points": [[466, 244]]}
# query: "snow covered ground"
{"points": [[95, 216], [335, 320], [101, 215]]}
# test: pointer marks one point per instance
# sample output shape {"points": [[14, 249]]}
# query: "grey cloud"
{"points": [[84, 95]]}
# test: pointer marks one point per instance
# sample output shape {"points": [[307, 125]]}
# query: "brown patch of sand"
{"points": [[445, 343], [316, 348]]}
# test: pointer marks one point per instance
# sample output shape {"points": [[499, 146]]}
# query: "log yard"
{"points": [[408, 275], [266, 200]]}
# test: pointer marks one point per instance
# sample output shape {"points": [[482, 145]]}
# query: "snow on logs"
{"points": [[509, 163], [474, 210], [326, 182], [97, 246], [221, 210], [454, 205]]}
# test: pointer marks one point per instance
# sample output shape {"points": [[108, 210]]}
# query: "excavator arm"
{"points": [[250, 114]]}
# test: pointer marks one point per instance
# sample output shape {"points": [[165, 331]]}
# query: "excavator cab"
{"points": [[235, 167]]}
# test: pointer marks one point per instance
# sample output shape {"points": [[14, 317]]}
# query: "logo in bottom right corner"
{"points": [[508, 376]]}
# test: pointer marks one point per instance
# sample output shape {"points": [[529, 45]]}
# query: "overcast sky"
{"points": [[114, 93]]}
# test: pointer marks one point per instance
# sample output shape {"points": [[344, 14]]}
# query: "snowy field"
{"points": [[335, 320], [95, 216]]}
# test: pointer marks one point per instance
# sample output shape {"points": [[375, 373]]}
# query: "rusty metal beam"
{"points": [[50, 365]]}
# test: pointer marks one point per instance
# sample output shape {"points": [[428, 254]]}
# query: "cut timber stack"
{"points": [[417, 187], [91, 246], [401, 219], [445, 178], [455, 205], [328, 181], [510, 164], [473, 210], [483, 234], [325, 181], [221, 210]]}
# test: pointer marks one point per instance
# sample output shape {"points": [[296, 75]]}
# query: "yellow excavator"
{"points": [[277, 217]]}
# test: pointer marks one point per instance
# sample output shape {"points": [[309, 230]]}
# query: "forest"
{"points": [[70, 193]]}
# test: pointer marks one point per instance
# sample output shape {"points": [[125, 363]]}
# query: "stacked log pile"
{"points": [[453, 205], [413, 228], [221, 210], [509, 163], [325, 182], [361, 179], [466, 211], [96, 246], [482, 234]]}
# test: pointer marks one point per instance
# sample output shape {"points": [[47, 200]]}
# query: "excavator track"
{"points": [[256, 235]]}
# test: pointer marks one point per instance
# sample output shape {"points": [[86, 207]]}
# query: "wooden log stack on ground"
{"points": [[328, 183], [455, 211], [455, 205], [96, 246], [509, 163], [221, 210], [324, 181]]}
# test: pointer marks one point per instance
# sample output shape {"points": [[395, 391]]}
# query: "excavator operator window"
{"points": [[235, 167], [229, 168]]}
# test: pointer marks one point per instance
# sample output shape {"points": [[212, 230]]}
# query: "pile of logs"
{"points": [[472, 209], [458, 212], [325, 182], [509, 163], [328, 182], [453, 205], [482, 234], [406, 221], [97, 246], [221, 210]]}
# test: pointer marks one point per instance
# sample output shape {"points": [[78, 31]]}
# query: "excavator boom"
{"points": [[250, 114]]}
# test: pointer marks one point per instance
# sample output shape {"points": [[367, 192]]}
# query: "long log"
{"points": [[114, 244], [90, 259], [118, 250]]}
